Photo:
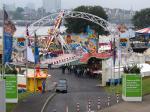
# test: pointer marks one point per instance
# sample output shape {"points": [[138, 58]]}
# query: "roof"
{"points": [[144, 30], [31, 74], [87, 56]]}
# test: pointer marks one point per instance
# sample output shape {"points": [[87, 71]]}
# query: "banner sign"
{"points": [[124, 42], [20, 43], [104, 44], [132, 87], [11, 88]]}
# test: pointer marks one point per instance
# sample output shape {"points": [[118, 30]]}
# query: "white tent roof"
{"points": [[128, 34]]}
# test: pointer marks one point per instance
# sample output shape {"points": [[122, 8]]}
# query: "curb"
{"points": [[49, 99]]}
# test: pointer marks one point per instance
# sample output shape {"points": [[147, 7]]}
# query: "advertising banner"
{"points": [[124, 43], [20, 43], [105, 44], [11, 88], [132, 87]]}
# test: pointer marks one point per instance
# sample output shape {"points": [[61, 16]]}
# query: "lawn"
{"points": [[118, 88], [11, 106]]}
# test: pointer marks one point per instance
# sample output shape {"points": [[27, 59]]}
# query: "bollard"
{"points": [[89, 106], [117, 95], [99, 104], [108, 100], [66, 108], [78, 107]]}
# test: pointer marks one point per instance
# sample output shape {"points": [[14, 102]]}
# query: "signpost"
{"points": [[11, 88], [132, 87]]}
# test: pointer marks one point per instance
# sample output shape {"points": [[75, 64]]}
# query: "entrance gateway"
{"points": [[112, 29]]}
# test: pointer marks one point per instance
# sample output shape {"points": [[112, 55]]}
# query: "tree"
{"points": [[142, 18], [78, 25], [18, 14]]}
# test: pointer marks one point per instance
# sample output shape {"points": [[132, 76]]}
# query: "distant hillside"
{"points": [[119, 16]]}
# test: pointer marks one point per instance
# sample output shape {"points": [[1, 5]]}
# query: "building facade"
{"points": [[52, 5]]}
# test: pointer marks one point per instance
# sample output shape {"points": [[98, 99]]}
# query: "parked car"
{"points": [[62, 86]]}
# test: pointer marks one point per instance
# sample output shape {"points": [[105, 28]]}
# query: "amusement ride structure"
{"points": [[54, 33]]}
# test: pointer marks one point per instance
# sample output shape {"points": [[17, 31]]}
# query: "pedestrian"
{"points": [[43, 85], [68, 68], [63, 69]]}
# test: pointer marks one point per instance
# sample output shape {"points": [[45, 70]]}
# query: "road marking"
{"points": [[49, 99]]}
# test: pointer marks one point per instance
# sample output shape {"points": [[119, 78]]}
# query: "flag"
{"points": [[27, 35], [114, 52], [8, 31], [36, 50], [5, 15], [27, 31]]}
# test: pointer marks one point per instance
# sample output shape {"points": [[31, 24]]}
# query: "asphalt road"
{"points": [[80, 90]]}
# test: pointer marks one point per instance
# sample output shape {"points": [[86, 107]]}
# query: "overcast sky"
{"points": [[66, 4]]}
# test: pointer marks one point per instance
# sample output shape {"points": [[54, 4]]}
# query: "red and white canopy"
{"points": [[144, 30]]}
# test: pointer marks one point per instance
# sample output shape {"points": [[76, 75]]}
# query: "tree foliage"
{"points": [[18, 14], [142, 18], [78, 25]]}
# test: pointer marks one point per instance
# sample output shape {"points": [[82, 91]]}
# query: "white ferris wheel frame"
{"points": [[111, 28]]}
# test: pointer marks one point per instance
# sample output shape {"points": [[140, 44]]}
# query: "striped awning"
{"points": [[87, 56], [144, 30]]}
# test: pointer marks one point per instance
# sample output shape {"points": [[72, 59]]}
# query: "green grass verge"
{"points": [[11, 106], [118, 88]]}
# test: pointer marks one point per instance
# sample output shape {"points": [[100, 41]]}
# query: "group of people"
{"points": [[79, 71]]}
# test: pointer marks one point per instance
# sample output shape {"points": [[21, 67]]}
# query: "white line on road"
{"points": [[49, 98]]}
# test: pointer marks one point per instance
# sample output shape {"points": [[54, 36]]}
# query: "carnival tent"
{"points": [[145, 69]]}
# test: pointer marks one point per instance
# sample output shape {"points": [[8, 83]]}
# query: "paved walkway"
{"points": [[33, 103], [143, 106]]}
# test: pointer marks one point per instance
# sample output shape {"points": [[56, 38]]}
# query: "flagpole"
{"points": [[34, 62], [26, 62], [3, 66], [114, 59]]}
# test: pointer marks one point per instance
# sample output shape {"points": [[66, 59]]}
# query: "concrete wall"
{"points": [[2, 96]]}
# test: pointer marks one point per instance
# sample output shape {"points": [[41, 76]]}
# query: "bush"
{"points": [[132, 69]]}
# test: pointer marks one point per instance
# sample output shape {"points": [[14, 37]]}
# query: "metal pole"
{"points": [[34, 64], [114, 59], [26, 54], [34, 79], [3, 64], [119, 61]]}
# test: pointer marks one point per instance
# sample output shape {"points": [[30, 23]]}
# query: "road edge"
{"points": [[47, 101]]}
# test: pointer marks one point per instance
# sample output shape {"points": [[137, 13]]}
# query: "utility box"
{"points": [[2, 96]]}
